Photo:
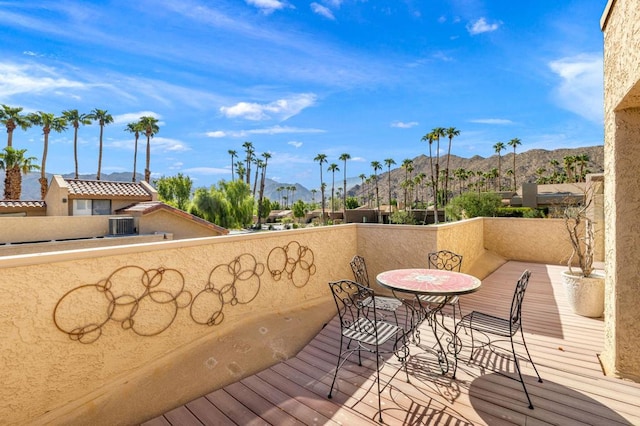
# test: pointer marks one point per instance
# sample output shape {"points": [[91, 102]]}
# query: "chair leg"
{"points": [[337, 368], [524, 343], [378, 382], [515, 359]]}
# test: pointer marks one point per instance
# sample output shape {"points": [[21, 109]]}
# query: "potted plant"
{"points": [[584, 287]]}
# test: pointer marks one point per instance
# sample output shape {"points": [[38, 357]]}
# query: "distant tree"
{"points": [[344, 157], [376, 167], [333, 168], [12, 118], [233, 154], [352, 203], [150, 126], [407, 165], [15, 164], [498, 148], [48, 122], [471, 204], [76, 119], [248, 147], [103, 118], [135, 128], [175, 190], [389, 162], [514, 143], [299, 209], [450, 133], [229, 205], [321, 158], [261, 203]]}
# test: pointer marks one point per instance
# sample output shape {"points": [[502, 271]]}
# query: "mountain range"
{"points": [[527, 164]]}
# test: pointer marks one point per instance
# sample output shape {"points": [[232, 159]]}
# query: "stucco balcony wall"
{"points": [[122, 375]]}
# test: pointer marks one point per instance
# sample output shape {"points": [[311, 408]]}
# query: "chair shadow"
{"points": [[554, 403]]}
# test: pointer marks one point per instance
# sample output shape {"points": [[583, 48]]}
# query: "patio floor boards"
{"points": [[563, 345]]}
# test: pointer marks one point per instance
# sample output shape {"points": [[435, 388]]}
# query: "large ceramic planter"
{"points": [[585, 294]]}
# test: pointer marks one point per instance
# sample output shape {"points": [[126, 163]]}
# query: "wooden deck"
{"points": [[564, 346]]}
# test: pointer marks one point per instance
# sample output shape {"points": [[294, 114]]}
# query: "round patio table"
{"points": [[433, 282]]}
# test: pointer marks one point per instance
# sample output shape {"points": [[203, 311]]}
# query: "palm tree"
{"points": [[376, 167], [313, 195], [76, 119], [510, 172], [498, 148], [150, 126], [450, 133], [11, 118], [333, 168], [48, 122], [363, 178], [389, 162], [248, 146], [514, 143], [233, 154], [432, 137], [258, 162], [266, 157], [103, 118], [344, 157], [134, 128], [321, 158], [582, 160], [407, 164], [15, 164]]}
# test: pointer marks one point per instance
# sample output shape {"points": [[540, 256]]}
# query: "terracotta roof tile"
{"points": [[100, 188], [22, 204]]}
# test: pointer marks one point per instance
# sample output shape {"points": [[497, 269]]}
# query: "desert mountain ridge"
{"points": [[527, 164]]}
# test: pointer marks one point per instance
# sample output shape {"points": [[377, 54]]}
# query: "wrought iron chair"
{"points": [[449, 261], [487, 324], [360, 323], [361, 276]]}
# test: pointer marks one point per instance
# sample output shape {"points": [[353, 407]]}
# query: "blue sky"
{"points": [[298, 78]]}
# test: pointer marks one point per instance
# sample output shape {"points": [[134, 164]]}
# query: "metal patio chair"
{"points": [[490, 325], [361, 276], [449, 261], [359, 323]]}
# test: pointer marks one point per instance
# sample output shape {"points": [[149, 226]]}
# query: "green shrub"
{"points": [[527, 212], [472, 204], [402, 217]]}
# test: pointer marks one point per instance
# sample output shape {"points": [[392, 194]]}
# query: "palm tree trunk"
{"points": [[100, 153], [147, 171], [135, 157]]}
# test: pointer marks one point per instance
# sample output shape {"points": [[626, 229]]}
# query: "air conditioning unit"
{"points": [[121, 226]]}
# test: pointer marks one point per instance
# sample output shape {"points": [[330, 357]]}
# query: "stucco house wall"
{"points": [[621, 27]]}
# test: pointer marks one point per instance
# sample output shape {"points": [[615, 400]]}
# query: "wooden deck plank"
{"points": [[563, 345]]}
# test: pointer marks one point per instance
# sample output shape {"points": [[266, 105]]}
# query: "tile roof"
{"points": [[147, 207], [22, 204], [101, 188]]}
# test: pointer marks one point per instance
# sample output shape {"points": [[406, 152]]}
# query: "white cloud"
{"points": [[134, 116], [322, 11], [207, 170], [581, 85], [282, 109], [267, 6], [295, 144], [481, 26], [500, 121], [403, 125], [275, 130], [18, 79], [168, 145]]}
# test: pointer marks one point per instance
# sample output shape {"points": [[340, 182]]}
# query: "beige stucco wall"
{"points": [[44, 228], [181, 228], [125, 378], [621, 27], [529, 240]]}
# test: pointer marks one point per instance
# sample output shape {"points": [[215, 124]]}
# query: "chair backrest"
{"points": [[445, 259], [516, 302], [359, 268], [355, 303]]}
